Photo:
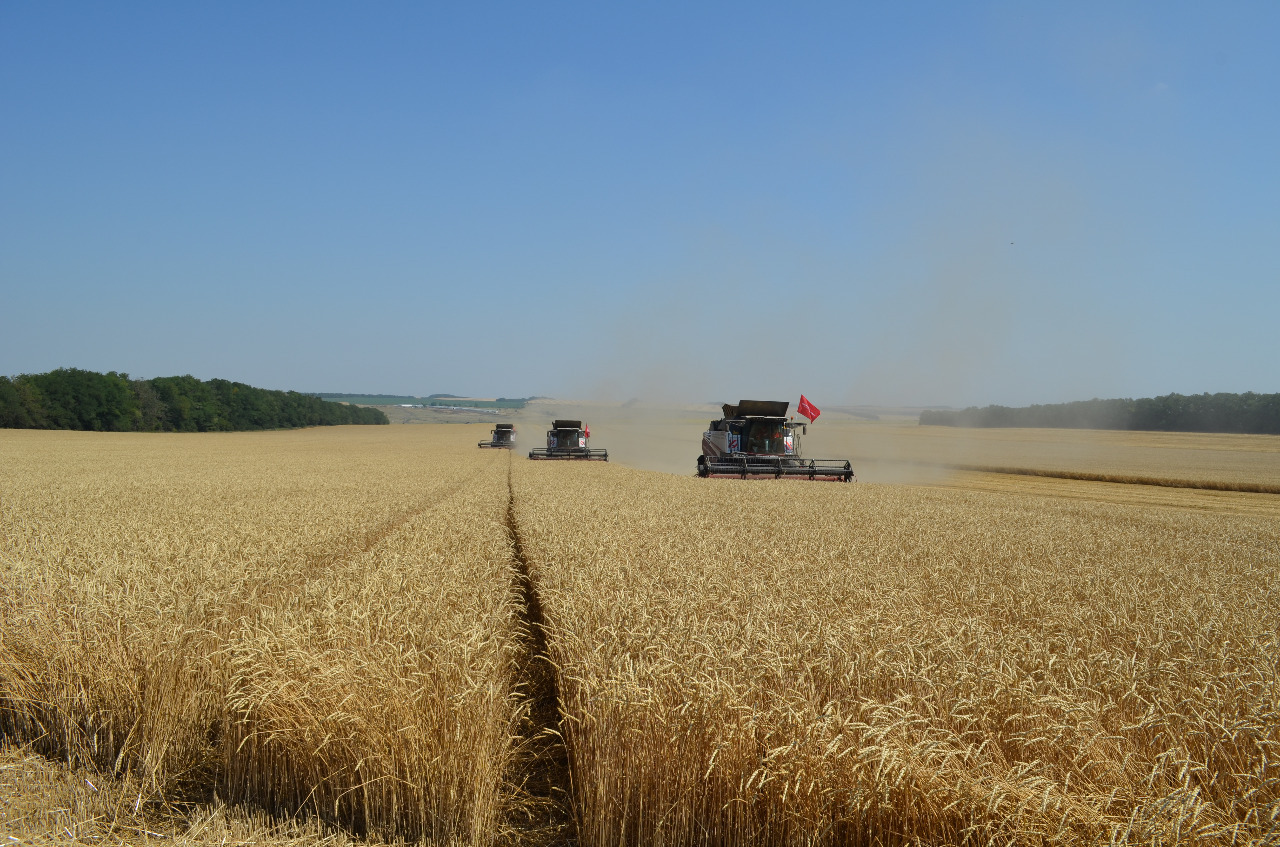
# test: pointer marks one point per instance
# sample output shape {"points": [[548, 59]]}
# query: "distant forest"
{"points": [[69, 398], [1240, 413]]}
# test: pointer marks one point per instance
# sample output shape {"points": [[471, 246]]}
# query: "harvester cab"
{"points": [[568, 440], [503, 435], [756, 440]]}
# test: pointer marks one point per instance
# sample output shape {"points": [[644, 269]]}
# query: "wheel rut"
{"points": [[546, 818]]}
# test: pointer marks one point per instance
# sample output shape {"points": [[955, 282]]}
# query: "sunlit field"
{"points": [[325, 635], [319, 622], [799, 662]]}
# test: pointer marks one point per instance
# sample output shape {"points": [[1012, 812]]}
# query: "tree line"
{"points": [[1238, 413], [70, 398]]}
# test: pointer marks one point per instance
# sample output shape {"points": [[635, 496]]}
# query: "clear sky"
{"points": [[884, 203]]}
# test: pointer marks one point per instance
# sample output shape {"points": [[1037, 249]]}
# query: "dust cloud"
{"points": [[667, 437], [648, 436], [966, 290]]}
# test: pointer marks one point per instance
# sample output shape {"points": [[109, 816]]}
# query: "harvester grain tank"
{"points": [[568, 440], [503, 435], [756, 440]]}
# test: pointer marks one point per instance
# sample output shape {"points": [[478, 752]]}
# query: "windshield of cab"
{"points": [[766, 437]]}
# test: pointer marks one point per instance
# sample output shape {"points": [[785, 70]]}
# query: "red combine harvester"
{"points": [[755, 440], [568, 440]]}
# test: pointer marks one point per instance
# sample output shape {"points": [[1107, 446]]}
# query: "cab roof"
{"points": [[756, 409]]}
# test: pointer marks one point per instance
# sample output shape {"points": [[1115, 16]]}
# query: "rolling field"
{"points": [[340, 634]]}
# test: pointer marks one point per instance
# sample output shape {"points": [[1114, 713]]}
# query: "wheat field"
{"points": [[800, 664], [326, 635], [316, 623]]}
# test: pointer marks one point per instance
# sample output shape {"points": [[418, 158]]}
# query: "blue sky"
{"points": [[918, 203]]}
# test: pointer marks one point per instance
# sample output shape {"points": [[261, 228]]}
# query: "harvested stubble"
{"points": [[795, 663], [321, 623]]}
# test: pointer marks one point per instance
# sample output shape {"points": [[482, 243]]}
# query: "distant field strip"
{"points": [[1205, 484], [791, 663], [1121, 479], [1247, 462]]}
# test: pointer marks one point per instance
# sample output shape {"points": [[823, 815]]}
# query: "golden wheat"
{"points": [[318, 623], [330, 625], [791, 663]]}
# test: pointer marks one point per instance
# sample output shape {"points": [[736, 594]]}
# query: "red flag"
{"points": [[807, 409], [587, 430]]}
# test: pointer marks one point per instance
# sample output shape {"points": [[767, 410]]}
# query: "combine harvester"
{"points": [[503, 435], [568, 440], [756, 440]]}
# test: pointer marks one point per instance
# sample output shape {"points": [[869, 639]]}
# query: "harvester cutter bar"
{"points": [[762, 467], [583, 453]]}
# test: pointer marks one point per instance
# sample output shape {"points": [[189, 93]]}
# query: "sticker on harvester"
{"points": [[735, 442], [786, 443]]}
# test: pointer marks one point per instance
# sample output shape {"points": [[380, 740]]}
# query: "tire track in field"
{"points": [[543, 765], [384, 530]]}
